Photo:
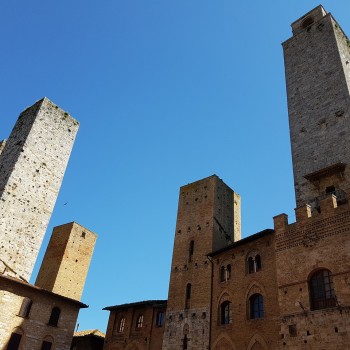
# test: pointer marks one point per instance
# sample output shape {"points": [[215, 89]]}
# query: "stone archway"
{"points": [[224, 343]]}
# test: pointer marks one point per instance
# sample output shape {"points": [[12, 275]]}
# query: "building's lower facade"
{"points": [[88, 340]]}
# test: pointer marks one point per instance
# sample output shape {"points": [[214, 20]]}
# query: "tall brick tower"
{"points": [[317, 64], [32, 165], [208, 219], [66, 261]]}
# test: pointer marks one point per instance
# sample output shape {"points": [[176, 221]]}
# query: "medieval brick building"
{"points": [[286, 288], [32, 165]]}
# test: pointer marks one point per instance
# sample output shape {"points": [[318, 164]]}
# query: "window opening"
{"points": [[185, 343], [121, 325], [226, 312], [25, 307], [256, 306], [191, 250], [139, 322], [321, 290], [160, 319], [46, 345], [54, 317], [14, 341], [188, 295]]}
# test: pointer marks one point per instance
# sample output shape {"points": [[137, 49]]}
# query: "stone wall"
{"points": [[32, 166], [317, 65], [34, 328]]}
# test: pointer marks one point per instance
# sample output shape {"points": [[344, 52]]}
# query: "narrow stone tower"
{"points": [[208, 219], [317, 65], [32, 165], [66, 261]]}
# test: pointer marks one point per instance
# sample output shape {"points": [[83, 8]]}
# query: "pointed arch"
{"points": [[223, 342], [254, 287], [257, 342]]}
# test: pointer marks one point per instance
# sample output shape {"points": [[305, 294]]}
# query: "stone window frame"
{"points": [[48, 343], [321, 290]]}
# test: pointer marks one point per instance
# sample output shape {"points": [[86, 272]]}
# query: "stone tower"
{"points": [[208, 219], [66, 261], [317, 65], [32, 165]]}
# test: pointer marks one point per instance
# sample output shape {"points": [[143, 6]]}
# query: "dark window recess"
{"points": [[226, 312], [160, 319], [54, 317], [321, 290], [14, 341], [25, 307], [330, 189], [256, 303], [292, 330], [188, 295], [185, 343], [46, 345], [190, 252]]}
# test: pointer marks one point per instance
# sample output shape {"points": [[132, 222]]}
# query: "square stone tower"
{"points": [[208, 219], [67, 260], [317, 66], [32, 165]]}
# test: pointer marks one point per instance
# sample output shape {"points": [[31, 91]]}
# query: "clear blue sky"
{"points": [[167, 92]]}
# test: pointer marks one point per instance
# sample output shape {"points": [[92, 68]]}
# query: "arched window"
{"points": [[54, 317], [254, 263], [25, 308], [188, 295], [121, 325], [226, 312], [321, 290], [139, 322], [190, 252], [256, 306]]}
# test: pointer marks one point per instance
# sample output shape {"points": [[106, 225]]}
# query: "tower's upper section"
{"points": [[317, 67], [67, 260]]}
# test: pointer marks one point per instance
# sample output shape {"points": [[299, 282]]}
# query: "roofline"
{"points": [[31, 286], [138, 303], [251, 238]]}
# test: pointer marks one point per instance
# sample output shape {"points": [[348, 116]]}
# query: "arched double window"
{"points": [[256, 306], [121, 325], [321, 289], [226, 312], [225, 273], [254, 263], [54, 317], [139, 322]]}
